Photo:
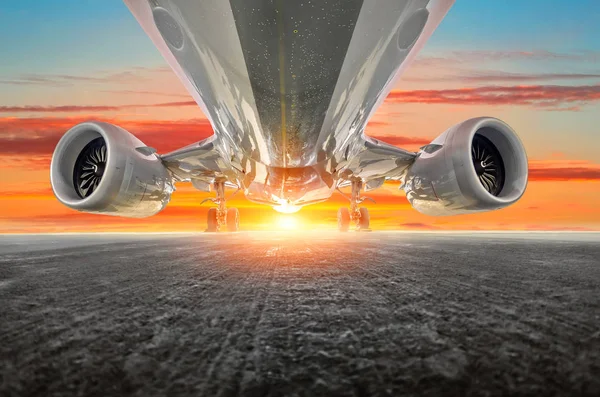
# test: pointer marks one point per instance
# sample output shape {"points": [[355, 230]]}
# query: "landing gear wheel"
{"points": [[233, 220], [363, 221], [343, 218], [212, 223]]}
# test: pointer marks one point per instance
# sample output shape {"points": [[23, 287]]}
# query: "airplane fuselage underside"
{"points": [[288, 85]]}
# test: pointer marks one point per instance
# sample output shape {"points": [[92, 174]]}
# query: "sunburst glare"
{"points": [[287, 222]]}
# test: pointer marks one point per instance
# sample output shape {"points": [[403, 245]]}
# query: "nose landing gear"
{"points": [[357, 215], [221, 215]]}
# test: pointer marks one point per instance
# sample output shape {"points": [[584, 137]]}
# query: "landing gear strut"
{"points": [[357, 215], [221, 215]]}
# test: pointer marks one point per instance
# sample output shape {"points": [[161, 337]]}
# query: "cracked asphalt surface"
{"points": [[309, 314]]}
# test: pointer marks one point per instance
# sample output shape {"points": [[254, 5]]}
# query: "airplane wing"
{"points": [[375, 162], [201, 163]]}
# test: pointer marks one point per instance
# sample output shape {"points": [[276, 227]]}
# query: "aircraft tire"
{"points": [[343, 218], [233, 220], [364, 221], [212, 224]]}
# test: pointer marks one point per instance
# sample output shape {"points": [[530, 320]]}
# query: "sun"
{"points": [[286, 208], [287, 222]]}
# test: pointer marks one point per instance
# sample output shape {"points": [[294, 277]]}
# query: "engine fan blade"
{"points": [[488, 164], [89, 167]]}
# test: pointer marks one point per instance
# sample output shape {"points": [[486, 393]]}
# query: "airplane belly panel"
{"points": [[294, 51]]}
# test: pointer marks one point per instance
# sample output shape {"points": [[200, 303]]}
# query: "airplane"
{"points": [[288, 87]]}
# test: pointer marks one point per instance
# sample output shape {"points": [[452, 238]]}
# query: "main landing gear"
{"points": [[221, 215], [357, 215]]}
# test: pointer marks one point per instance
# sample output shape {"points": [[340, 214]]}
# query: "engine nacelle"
{"points": [[101, 168], [477, 165]]}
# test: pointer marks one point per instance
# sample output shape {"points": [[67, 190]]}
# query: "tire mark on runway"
{"points": [[242, 377], [256, 268], [324, 327]]}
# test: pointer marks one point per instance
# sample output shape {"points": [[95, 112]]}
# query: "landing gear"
{"points": [[221, 215], [358, 215]]}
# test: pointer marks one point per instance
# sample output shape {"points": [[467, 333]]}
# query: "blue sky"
{"points": [[69, 35], [560, 25], [64, 36]]}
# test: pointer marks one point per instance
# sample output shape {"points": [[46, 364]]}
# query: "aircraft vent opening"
{"points": [[411, 29], [168, 27], [488, 164], [89, 167]]}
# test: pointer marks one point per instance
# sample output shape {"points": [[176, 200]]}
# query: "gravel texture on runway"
{"points": [[310, 314]]}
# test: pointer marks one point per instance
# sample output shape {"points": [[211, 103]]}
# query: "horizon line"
{"points": [[312, 230]]}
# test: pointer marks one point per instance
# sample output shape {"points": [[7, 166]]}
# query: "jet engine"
{"points": [[101, 168], [477, 165]]}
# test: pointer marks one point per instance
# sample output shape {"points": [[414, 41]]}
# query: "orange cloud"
{"points": [[418, 225], [60, 80], [550, 97], [496, 76], [479, 56], [90, 108], [564, 174], [563, 170], [476, 76], [39, 136]]}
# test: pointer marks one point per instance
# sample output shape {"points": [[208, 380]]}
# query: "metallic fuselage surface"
{"points": [[288, 86]]}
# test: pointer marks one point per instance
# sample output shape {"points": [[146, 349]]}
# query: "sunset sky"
{"points": [[534, 64]]}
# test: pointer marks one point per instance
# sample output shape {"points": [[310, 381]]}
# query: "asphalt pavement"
{"points": [[300, 314]]}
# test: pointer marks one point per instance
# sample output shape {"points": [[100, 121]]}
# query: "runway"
{"points": [[300, 314]]}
